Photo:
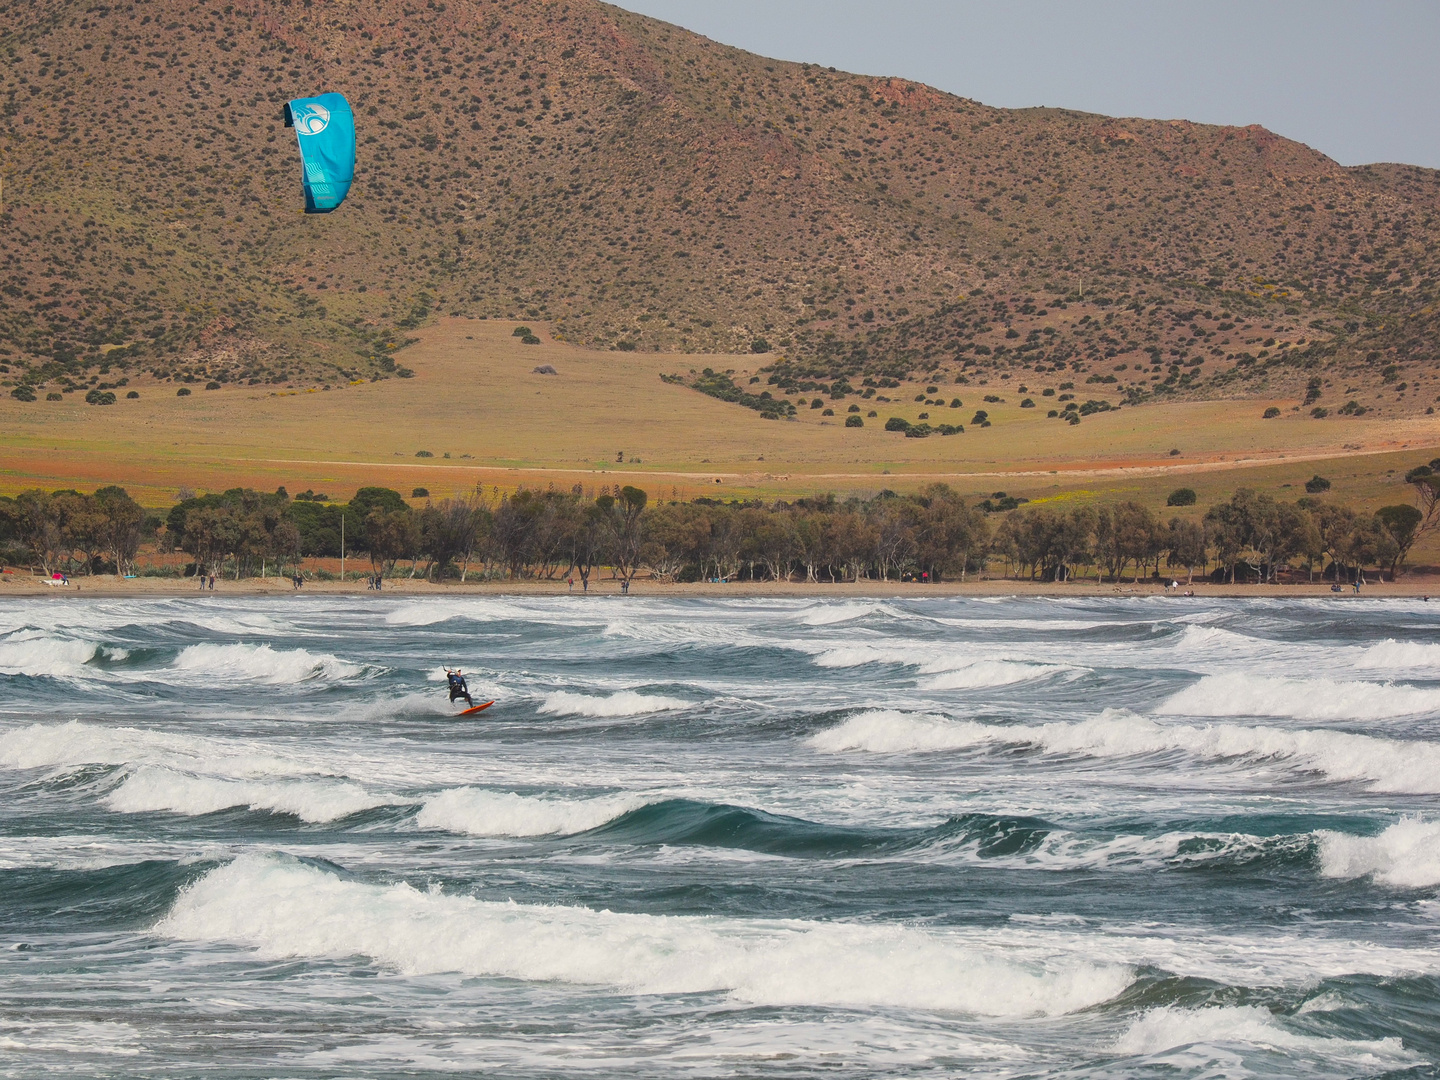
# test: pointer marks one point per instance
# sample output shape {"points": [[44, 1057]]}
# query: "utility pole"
{"points": [[342, 548]]}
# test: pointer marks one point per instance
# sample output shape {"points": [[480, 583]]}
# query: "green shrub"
{"points": [[853, 408], [1272, 412], [184, 391], [520, 331], [1319, 412], [423, 453], [897, 423], [759, 345], [529, 339], [854, 421], [23, 393], [1181, 497], [420, 493], [1027, 404], [100, 397], [212, 385], [133, 394], [1316, 484], [54, 395], [827, 412]]}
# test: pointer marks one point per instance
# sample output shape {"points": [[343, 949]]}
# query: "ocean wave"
{"points": [[1238, 694], [74, 744], [1389, 765], [262, 663], [1406, 855], [151, 789], [1400, 654], [70, 1037], [888, 731], [829, 614], [623, 703], [29, 653], [475, 812], [285, 908], [1171, 1027], [985, 673]]}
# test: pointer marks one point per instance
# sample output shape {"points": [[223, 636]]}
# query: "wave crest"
{"points": [[623, 703], [284, 908], [261, 663], [1300, 699], [475, 812], [152, 789], [1406, 855]]}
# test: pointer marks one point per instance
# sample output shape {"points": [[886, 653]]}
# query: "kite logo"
{"points": [[313, 120]]}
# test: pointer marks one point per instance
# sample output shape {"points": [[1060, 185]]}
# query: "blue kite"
{"points": [[325, 129]]}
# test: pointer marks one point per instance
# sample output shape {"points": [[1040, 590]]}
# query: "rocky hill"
{"points": [[637, 186]]}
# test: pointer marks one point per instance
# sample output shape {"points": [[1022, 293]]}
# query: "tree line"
{"points": [[932, 535]]}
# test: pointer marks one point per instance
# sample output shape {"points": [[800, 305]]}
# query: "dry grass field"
{"points": [[477, 405]]}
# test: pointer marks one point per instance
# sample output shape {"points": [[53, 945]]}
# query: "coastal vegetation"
{"points": [[931, 535]]}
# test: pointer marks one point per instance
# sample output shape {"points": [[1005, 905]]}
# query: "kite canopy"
{"points": [[325, 128]]}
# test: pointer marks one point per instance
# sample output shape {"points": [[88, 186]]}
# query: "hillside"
{"points": [[641, 187]]}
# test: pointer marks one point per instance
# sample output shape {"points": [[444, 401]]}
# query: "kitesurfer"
{"points": [[458, 689]]}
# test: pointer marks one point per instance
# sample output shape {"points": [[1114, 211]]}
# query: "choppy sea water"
{"points": [[1154, 837]]}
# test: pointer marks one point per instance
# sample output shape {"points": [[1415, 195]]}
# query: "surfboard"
{"points": [[477, 708]]}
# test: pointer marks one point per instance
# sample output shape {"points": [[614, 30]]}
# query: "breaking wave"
{"points": [[1400, 654], [261, 663], [41, 654], [1406, 855], [285, 908], [475, 812], [1171, 1027], [1307, 699], [153, 789], [1391, 765], [623, 703]]}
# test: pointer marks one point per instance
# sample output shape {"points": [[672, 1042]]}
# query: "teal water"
{"points": [[998, 838]]}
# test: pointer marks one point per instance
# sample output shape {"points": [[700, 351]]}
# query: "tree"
{"points": [[1186, 543], [124, 525], [626, 535], [1402, 522], [390, 535]]}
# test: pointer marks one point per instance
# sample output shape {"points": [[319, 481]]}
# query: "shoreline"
{"points": [[102, 586]]}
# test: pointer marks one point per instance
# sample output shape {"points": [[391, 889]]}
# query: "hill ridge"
{"points": [[638, 186]]}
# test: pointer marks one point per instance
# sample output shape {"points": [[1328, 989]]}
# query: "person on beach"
{"points": [[458, 689]]}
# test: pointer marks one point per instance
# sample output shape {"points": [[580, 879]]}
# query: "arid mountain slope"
{"points": [[638, 186]]}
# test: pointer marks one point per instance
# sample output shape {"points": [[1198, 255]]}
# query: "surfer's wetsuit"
{"points": [[458, 689]]}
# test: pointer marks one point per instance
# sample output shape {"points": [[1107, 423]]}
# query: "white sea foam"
{"points": [[261, 663], [284, 908], [73, 744], [1172, 1027], [1392, 765], [1400, 654], [30, 653], [623, 703], [70, 1037], [475, 812], [887, 731], [151, 789], [1240, 694], [1406, 855], [828, 614], [983, 673]]}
